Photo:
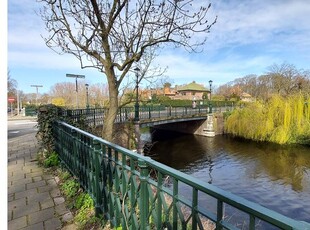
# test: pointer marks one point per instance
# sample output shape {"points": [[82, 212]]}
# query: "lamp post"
{"points": [[137, 70], [76, 76], [87, 101], [37, 86], [136, 119], [210, 106]]}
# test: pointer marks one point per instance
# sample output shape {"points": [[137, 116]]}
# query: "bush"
{"points": [[279, 120], [51, 160]]}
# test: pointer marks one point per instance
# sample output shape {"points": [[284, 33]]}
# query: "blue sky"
{"points": [[249, 36]]}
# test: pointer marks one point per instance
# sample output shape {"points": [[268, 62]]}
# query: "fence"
{"points": [[136, 192]]}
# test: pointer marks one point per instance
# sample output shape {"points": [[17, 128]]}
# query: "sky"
{"points": [[248, 37]]}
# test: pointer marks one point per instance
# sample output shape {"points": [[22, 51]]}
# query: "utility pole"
{"points": [[37, 86], [76, 76]]}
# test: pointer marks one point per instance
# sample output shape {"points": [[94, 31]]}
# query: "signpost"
{"points": [[76, 76], [11, 100]]}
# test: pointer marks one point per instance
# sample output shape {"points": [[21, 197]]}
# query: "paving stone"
{"points": [[52, 224], [36, 184], [14, 167], [55, 192], [17, 223], [42, 215], [16, 177], [16, 188], [61, 209], [15, 204], [52, 182], [26, 209], [22, 181], [39, 197], [46, 188], [37, 226], [67, 217], [59, 200], [48, 177], [31, 169], [37, 178], [10, 215], [33, 174], [11, 197], [29, 192], [47, 203]]}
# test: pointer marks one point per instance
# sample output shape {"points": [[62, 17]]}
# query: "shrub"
{"points": [[280, 120], [51, 160]]}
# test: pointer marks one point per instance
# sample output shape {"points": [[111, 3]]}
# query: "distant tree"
{"points": [[167, 85], [113, 35], [65, 90], [98, 95], [284, 80], [45, 98], [58, 101], [12, 85]]}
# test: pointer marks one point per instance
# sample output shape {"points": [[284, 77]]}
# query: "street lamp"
{"points": [[37, 86], [137, 70], [76, 76], [87, 101], [210, 106]]}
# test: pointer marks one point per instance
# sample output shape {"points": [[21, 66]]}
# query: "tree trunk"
{"points": [[110, 115]]}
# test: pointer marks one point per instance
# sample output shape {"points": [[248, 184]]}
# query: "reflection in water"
{"points": [[277, 177]]}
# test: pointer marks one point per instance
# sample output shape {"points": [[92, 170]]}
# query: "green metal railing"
{"points": [[94, 116], [30, 111], [136, 192]]}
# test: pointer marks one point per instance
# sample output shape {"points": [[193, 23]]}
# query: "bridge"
{"points": [[201, 119]]}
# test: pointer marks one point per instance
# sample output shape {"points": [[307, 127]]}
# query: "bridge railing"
{"points": [[95, 116], [136, 192]]}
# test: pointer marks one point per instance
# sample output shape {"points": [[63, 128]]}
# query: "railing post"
{"points": [[150, 116], [174, 204], [219, 215], [97, 162], [126, 114], [74, 152], [144, 199], [194, 208]]}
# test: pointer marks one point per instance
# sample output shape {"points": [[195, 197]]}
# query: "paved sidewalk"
{"points": [[34, 199]]}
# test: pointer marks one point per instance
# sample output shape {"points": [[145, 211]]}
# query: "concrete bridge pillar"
{"points": [[209, 129]]}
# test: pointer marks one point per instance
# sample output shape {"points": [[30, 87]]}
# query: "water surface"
{"points": [[274, 176]]}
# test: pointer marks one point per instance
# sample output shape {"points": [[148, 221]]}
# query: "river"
{"points": [[274, 176]]}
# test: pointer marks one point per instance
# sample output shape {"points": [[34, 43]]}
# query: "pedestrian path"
{"points": [[34, 199]]}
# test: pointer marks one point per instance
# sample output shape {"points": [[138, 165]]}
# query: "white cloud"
{"points": [[244, 22]]}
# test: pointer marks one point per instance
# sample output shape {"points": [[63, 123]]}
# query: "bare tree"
{"points": [[12, 85], [111, 35], [283, 78], [64, 90]]}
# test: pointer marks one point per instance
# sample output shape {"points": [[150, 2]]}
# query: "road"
{"points": [[17, 128]]}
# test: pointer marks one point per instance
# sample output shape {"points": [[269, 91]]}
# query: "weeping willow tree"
{"points": [[280, 120]]}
